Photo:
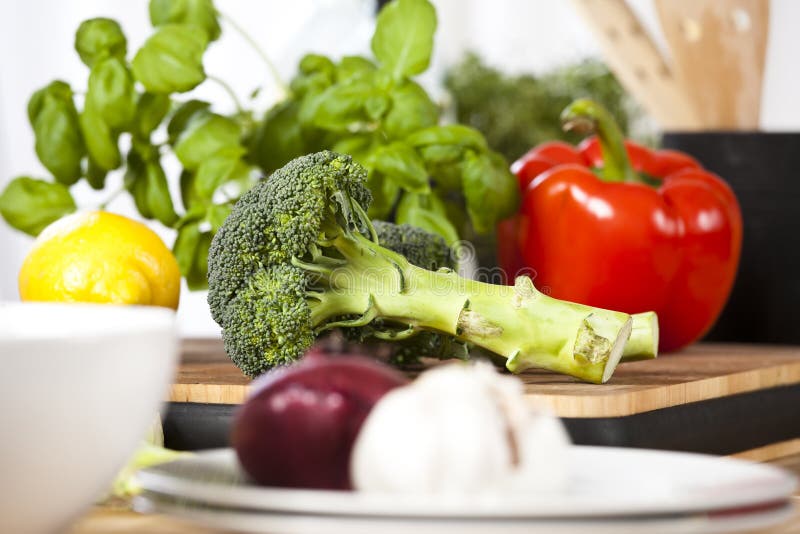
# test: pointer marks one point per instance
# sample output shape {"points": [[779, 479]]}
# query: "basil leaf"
{"points": [[310, 84], [339, 107], [29, 205], [401, 163], [182, 116], [353, 66], [95, 175], [315, 63], [100, 38], [359, 146], [157, 194], [101, 142], [151, 108], [506, 187], [445, 177], [441, 154], [197, 278], [111, 92], [490, 190], [57, 89], [147, 183], [315, 74], [185, 247], [384, 195], [217, 213], [451, 134], [427, 212], [199, 13], [59, 144], [375, 106], [191, 250], [135, 181], [205, 134], [171, 60], [411, 110], [189, 196], [194, 215], [279, 137], [224, 166], [403, 39]]}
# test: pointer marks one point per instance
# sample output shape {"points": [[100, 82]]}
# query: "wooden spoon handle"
{"points": [[637, 62], [718, 51]]}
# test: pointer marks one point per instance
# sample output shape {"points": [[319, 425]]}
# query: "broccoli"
{"points": [[298, 255], [431, 252]]}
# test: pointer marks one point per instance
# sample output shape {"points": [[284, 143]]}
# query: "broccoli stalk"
{"points": [[431, 252], [643, 343], [298, 256], [518, 322]]}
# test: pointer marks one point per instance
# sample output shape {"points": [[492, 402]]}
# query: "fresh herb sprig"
{"points": [[130, 116], [83, 137], [375, 111], [518, 112]]}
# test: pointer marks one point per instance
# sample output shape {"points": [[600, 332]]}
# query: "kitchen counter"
{"points": [[108, 521]]}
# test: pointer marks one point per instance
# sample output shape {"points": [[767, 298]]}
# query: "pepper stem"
{"points": [[589, 116]]}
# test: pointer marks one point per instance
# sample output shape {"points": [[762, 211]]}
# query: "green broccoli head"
{"points": [[255, 292]]}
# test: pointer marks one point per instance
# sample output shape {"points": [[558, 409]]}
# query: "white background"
{"points": [[36, 38]]}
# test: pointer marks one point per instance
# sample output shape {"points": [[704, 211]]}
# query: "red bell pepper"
{"points": [[615, 225]]}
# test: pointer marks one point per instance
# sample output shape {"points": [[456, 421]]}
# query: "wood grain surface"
{"points": [[702, 372]]}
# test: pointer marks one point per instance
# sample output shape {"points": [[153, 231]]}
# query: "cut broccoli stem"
{"points": [[643, 343], [517, 322], [534, 330]]}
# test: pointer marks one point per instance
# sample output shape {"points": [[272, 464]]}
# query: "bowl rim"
{"points": [[39, 321]]}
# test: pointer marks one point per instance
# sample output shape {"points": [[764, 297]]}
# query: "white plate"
{"points": [[605, 482], [288, 523]]}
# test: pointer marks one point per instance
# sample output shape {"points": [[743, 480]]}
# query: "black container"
{"points": [[764, 171]]}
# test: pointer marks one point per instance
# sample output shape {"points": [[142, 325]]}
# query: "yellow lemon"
{"points": [[99, 256]]}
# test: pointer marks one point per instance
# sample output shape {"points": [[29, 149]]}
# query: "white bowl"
{"points": [[79, 386]]}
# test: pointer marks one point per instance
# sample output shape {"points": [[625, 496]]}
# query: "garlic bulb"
{"points": [[459, 428]]}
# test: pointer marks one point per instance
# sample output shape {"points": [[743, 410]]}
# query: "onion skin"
{"points": [[299, 424]]}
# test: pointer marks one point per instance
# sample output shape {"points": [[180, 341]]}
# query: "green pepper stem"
{"points": [[589, 116]]}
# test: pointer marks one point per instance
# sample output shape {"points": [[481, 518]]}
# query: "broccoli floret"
{"points": [[267, 322], [298, 256], [420, 247], [428, 345]]}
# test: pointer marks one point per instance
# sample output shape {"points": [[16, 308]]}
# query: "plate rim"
{"points": [[329, 502], [693, 522]]}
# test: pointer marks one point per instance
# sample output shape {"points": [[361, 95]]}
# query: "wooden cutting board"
{"points": [[701, 373]]}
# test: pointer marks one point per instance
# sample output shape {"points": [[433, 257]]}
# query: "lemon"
{"points": [[102, 257]]}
